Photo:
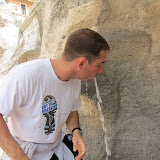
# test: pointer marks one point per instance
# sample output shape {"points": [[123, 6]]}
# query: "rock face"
{"points": [[8, 33], [132, 72], [17, 45], [129, 86]]}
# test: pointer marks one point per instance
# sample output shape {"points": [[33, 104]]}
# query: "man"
{"points": [[41, 95]]}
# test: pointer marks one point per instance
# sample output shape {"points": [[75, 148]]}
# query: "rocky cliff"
{"points": [[8, 34], [126, 122]]}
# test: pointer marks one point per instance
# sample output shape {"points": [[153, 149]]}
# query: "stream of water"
{"points": [[99, 101]]}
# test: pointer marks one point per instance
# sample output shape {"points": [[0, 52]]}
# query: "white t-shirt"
{"points": [[37, 102]]}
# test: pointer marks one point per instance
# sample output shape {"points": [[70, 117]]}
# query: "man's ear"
{"points": [[82, 62]]}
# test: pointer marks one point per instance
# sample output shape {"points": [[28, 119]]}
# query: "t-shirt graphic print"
{"points": [[49, 109]]}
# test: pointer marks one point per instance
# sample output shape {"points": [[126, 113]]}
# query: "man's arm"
{"points": [[8, 144], [78, 142]]}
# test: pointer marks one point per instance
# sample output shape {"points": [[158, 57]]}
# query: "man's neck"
{"points": [[63, 70]]}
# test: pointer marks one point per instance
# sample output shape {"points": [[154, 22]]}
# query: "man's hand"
{"points": [[78, 144], [22, 158]]}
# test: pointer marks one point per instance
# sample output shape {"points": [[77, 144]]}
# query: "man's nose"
{"points": [[100, 70]]}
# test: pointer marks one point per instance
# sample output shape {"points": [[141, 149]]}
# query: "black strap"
{"points": [[75, 129]]}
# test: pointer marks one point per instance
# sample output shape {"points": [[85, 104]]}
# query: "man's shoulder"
{"points": [[28, 66], [30, 70]]}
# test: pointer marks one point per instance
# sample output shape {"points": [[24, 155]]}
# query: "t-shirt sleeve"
{"points": [[11, 95], [77, 100]]}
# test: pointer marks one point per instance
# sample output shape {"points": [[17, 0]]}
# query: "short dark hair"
{"points": [[84, 42]]}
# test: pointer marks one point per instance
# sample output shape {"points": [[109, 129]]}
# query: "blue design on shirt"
{"points": [[49, 109]]}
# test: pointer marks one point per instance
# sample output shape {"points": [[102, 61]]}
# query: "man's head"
{"points": [[84, 43], [86, 51]]}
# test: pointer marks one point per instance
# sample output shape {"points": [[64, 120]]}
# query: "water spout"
{"points": [[102, 119], [86, 88]]}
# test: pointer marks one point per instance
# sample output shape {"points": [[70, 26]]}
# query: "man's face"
{"points": [[90, 71]]}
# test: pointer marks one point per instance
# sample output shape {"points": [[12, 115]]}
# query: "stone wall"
{"points": [[129, 86], [17, 45], [8, 34], [132, 73]]}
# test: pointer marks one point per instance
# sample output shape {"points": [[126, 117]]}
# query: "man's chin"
{"points": [[87, 80]]}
